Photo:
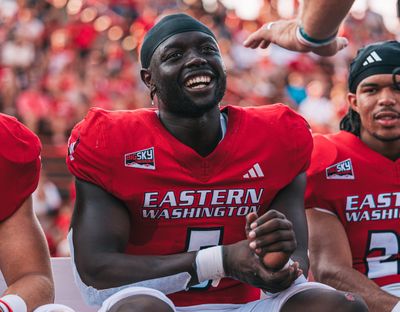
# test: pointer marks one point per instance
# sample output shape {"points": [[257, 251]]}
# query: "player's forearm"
{"points": [[117, 269], [329, 13], [34, 289], [348, 279]]}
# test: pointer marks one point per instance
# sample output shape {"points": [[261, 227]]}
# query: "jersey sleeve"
{"points": [[89, 150], [297, 134], [323, 155], [19, 164]]}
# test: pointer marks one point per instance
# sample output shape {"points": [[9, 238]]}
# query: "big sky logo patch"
{"points": [[341, 171], [143, 159]]}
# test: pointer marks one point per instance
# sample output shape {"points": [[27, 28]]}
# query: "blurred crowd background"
{"points": [[58, 58]]}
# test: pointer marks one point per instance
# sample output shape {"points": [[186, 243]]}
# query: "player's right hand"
{"points": [[242, 264], [283, 34]]}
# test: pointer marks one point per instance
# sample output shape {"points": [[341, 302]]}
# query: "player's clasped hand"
{"points": [[242, 264], [269, 233], [273, 240], [281, 280]]}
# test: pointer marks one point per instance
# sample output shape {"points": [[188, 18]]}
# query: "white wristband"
{"points": [[396, 308], [13, 303], [290, 261], [209, 265], [304, 39]]}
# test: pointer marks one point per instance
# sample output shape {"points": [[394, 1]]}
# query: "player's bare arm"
{"points": [[315, 13], [99, 217], [331, 262], [22, 239]]}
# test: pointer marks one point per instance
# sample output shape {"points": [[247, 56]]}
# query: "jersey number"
{"points": [[386, 263], [200, 238]]}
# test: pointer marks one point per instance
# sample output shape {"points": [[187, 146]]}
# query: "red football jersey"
{"points": [[181, 201], [19, 164], [362, 187]]}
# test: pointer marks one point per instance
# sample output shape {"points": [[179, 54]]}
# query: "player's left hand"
{"points": [[270, 232]]}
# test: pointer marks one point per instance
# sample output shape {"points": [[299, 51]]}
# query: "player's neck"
{"points": [[202, 133], [389, 149]]}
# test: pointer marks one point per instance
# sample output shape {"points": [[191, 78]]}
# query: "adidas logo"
{"points": [[254, 172], [372, 58]]}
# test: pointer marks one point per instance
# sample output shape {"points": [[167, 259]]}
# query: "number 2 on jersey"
{"points": [[386, 244]]}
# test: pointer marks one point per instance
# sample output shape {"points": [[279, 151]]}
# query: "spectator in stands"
{"points": [[24, 257], [296, 88], [316, 108], [150, 193], [353, 186], [46, 199]]}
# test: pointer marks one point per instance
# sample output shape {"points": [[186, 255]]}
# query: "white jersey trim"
{"points": [[393, 289], [134, 291], [53, 307]]}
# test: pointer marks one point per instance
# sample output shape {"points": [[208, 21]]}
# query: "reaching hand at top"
{"points": [[283, 33]]}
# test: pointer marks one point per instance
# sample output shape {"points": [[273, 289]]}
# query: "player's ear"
{"points": [[352, 101], [146, 77]]}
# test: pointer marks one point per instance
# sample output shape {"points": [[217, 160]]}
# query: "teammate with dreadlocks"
{"points": [[351, 122], [353, 191]]}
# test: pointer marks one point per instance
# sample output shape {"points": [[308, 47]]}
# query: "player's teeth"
{"points": [[198, 79], [199, 86]]}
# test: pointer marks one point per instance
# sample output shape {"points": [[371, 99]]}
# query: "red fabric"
{"points": [[19, 164], [368, 205], [175, 194]]}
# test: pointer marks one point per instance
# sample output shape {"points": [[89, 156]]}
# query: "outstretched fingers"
{"points": [[260, 38]]}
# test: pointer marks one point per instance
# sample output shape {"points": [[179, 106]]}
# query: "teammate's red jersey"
{"points": [[19, 164], [181, 201], [362, 188]]}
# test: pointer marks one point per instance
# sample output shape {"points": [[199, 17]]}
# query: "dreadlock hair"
{"points": [[351, 122]]}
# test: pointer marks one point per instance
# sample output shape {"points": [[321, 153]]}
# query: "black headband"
{"points": [[374, 59], [164, 29]]}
